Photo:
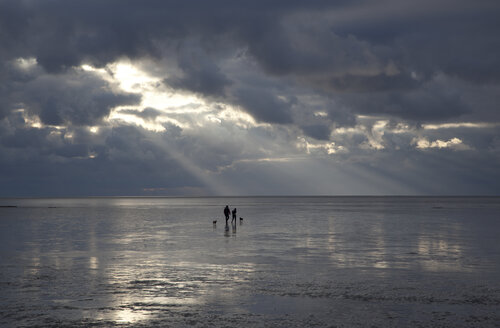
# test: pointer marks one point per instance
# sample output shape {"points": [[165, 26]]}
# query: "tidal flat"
{"points": [[290, 262]]}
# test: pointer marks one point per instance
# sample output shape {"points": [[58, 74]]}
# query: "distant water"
{"points": [[291, 262]]}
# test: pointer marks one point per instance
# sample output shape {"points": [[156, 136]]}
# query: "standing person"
{"points": [[227, 211], [234, 216]]}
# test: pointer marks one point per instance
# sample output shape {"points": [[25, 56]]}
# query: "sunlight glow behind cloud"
{"points": [[189, 103], [454, 143]]}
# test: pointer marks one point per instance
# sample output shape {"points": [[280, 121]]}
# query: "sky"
{"points": [[234, 98]]}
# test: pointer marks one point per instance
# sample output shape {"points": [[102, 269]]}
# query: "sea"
{"points": [[285, 262]]}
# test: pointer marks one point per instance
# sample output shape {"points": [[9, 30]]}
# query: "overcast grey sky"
{"points": [[118, 97]]}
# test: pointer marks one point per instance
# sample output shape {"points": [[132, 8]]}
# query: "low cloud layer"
{"points": [[222, 97]]}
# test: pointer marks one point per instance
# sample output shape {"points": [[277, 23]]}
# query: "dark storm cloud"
{"points": [[200, 74], [75, 101], [205, 80], [283, 62], [116, 161], [432, 102], [334, 46], [264, 105], [74, 97], [376, 83], [26, 138], [317, 131], [46, 143], [62, 34]]}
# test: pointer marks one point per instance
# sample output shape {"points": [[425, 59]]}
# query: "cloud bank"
{"points": [[232, 98]]}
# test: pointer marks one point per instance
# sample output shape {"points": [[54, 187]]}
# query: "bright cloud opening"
{"points": [[454, 143], [459, 125]]}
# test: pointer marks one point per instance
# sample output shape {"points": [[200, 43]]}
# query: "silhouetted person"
{"points": [[234, 216], [227, 211]]}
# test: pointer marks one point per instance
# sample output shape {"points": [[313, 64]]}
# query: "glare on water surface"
{"points": [[145, 260]]}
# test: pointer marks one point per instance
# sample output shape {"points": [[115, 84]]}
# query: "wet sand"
{"points": [[293, 262]]}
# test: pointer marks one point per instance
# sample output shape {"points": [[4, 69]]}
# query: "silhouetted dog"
{"points": [[241, 219], [214, 222]]}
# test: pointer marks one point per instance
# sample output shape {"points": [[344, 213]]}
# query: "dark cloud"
{"points": [[309, 41], [376, 83], [317, 131], [75, 100], [26, 138], [340, 46], [75, 97], [264, 105], [434, 101], [117, 161], [305, 68], [199, 73]]}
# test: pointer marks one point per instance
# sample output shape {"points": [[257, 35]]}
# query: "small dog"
{"points": [[214, 222], [241, 219]]}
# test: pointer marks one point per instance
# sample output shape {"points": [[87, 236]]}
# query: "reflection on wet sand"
{"points": [[137, 287], [162, 266], [371, 243], [437, 254]]}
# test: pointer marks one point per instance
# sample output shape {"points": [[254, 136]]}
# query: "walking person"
{"points": [[227, 211], [234, 216]]}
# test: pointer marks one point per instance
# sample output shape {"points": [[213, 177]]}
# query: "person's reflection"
{"points": [[226, 230], [233, 225]]}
